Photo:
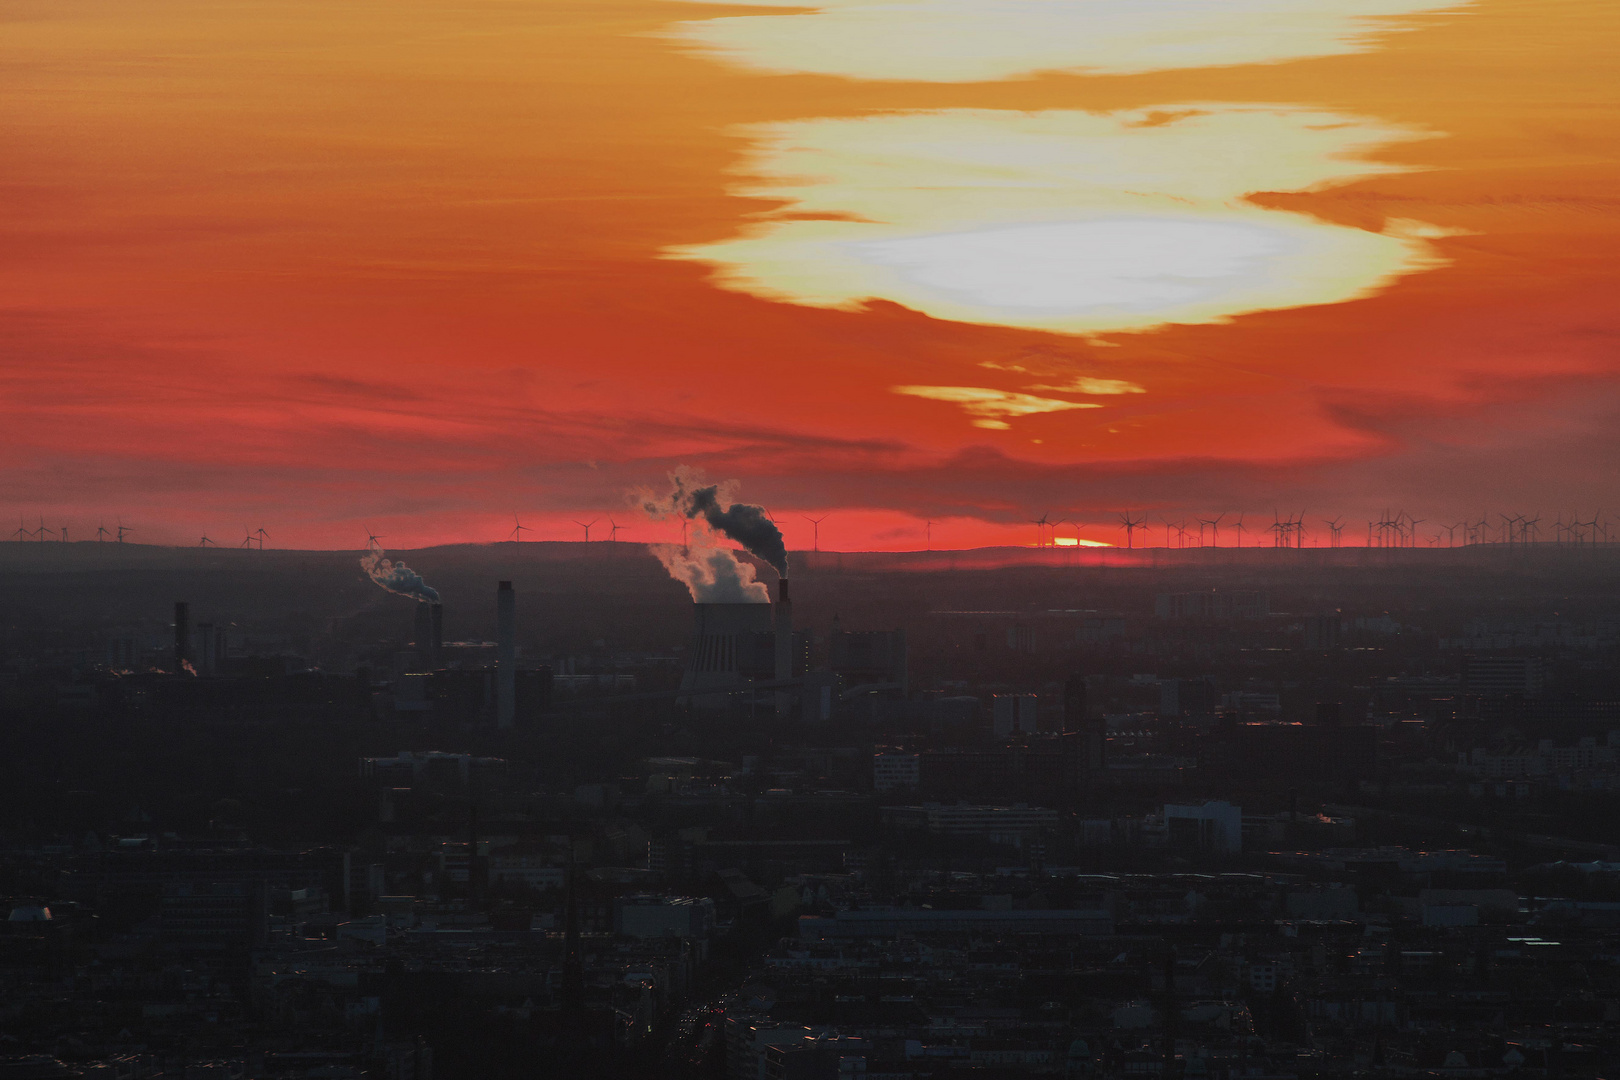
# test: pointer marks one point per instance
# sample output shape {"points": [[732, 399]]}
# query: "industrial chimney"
{"points": [[783, 635], [438, 635], [506, 655], [182, 635], [783, 625], [423, 636]]}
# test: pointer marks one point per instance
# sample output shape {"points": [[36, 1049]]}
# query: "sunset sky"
{"points": [[323, 265]]}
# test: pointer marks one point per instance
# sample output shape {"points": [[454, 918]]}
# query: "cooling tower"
{"points": [[726, 647]]}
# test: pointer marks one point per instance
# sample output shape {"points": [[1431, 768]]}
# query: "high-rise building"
{"points": [[182, 635], [506, 656], [1502, 676]]}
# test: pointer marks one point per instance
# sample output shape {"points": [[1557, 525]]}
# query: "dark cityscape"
{"points": [[809, 540], [972, 815]]}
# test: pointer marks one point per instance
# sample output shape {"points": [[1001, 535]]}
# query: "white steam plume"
{"points": [[711, 573]]}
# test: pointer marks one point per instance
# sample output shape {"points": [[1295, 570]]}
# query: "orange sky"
{"points": [[314, 266]]}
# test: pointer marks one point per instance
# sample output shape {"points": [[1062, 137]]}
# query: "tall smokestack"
{"points": [[784, 631], [783, 640], [506, 655], [438, 634], [423, 635], [182, 635]]}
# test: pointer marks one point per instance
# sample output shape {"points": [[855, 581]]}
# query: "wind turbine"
{"points": [[247, 538], [43, 532], [815, 531], [205, 542], [1241, 529], [1593, 525], [22, 532], [518, 529], [1040, 530], [64, 534], [372, 538], [102, 534], [586, 525], [614, 527], [1336, 528], [1214, 528], [1509, 526], [1131, 525], [123, 530]]}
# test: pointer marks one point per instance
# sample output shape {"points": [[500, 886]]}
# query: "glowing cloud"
{"points": [[1062, 220], [992, 407], [981, 40], [1080, 384]]}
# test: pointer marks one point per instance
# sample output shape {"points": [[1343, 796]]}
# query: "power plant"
{"points": [[429, 635], [731, 644]]}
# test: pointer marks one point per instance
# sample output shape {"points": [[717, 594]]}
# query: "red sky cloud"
{"points": [[317, 266]]}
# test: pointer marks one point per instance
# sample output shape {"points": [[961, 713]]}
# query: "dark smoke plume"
{"points": [[396, 577], [745, 523], [710, 571]]}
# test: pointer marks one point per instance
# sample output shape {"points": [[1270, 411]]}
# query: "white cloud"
{"points": [[980, 40], [1062, 220], [992, 407]]}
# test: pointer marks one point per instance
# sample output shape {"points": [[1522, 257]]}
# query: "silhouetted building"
{"points": [[182, 635], [506, 660], [1214, 827], [1014, 714], [1091, 733], [1502, 676], [1295, 750], [1212, 605], [1322, 631], [213, 916], [426, 660], [864, 657], [1187, 697]]}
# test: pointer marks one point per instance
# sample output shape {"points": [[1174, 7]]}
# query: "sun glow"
{"points": [[1062, 220]]}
